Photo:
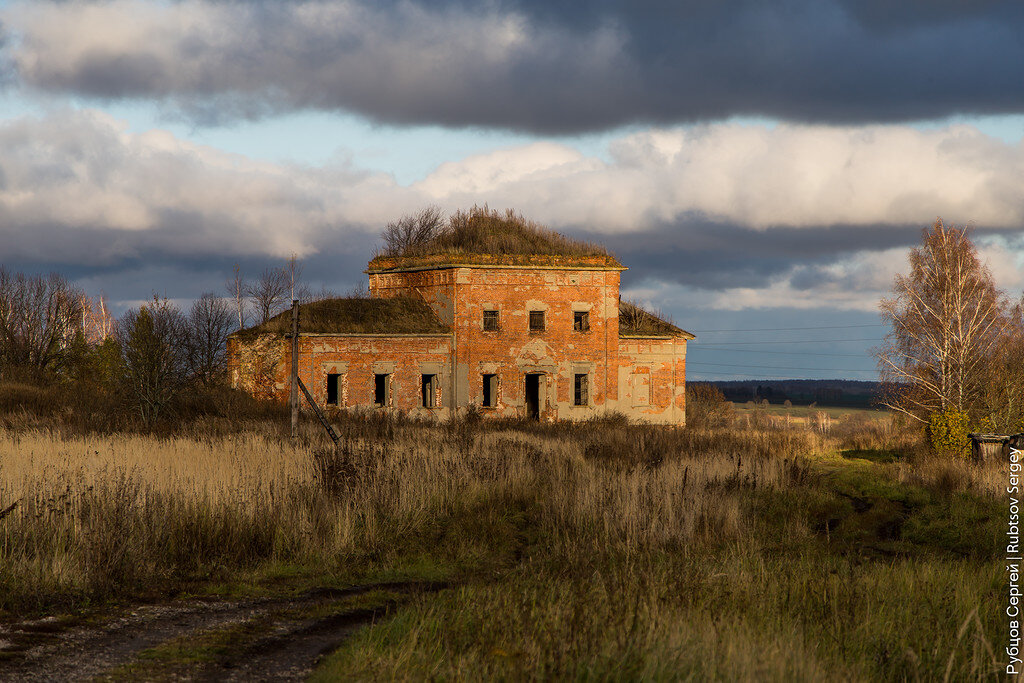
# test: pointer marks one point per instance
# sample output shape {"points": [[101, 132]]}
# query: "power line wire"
{"points": [[783, 353], [787, 329], [795, 341], [781, 367]]}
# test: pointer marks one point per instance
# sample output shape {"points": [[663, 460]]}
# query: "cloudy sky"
{"points": [[761, 167]]}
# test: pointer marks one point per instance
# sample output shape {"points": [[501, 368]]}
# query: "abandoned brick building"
{"points": [[533, 335]]}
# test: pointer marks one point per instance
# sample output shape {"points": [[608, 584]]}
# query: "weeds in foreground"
{"points": [[581, 550]]}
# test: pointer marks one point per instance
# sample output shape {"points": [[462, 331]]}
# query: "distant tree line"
{"points": [[142, 363], [51, 332]]}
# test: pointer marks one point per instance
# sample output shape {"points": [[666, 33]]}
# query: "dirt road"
{"points": [[266, 639]]}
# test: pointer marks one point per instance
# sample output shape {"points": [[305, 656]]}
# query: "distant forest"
{"points": [[824, 392]]}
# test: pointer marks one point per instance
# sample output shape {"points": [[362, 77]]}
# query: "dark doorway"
{"points": [[490, 391], [381, 395], [533, 396], [332, 389], [428, 391]]}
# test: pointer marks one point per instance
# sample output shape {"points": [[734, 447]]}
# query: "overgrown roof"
{"points": [[355, 315], [482, 235], [635, 321]]}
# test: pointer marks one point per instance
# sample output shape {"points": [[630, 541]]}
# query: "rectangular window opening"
{"points": [[491, 321], [490, 391], [582, 390], [332, 389], [428, 391], [381, 390], [581, 321], [536, 321]]}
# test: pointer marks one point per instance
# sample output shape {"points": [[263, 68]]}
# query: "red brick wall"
{"points": [[459, 295], [652, 378], [559, 351], [436, 287], [356, 358]]}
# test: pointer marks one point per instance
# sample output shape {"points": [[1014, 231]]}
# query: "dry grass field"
{"points": [[596, 550]]}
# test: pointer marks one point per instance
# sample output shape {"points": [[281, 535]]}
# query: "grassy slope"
{"points": [[846, 572]]}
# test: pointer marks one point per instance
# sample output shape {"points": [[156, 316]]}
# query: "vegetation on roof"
{"points": [[482, 231], [637, 321], [355, 315]]}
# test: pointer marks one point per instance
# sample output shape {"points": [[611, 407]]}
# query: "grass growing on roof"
{"points": [[485, 231], [356, 315], [634, 320]]}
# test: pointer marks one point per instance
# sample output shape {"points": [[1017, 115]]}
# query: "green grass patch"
{"points": [[848, 575]]}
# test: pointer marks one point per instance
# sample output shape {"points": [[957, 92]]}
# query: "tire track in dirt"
{"points": [[292, 654], [48, 650]]}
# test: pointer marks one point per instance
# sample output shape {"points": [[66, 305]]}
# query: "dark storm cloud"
{"points": [[537, 66]]}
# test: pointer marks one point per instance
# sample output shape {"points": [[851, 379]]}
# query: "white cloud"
{"points": [[77, 187], [482, 174], [787, 175], [853, 283], [109, 194]]}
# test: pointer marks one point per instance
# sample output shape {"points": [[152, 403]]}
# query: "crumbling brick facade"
{"points": [[522, 337]]}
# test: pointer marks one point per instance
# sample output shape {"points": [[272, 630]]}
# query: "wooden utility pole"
{"points": [[294, 398]]}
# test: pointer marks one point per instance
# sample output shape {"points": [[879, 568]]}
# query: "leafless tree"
{"points": [[154, 356], [404, 236], [947, 317], [209, 322], [237, 289], [97, 320], [269, 293], [294, 269], [1003, 392], [39, 318]]}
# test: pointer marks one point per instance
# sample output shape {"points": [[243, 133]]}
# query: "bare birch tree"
{"points": [[237, 289], [947, 317], [97, 321], [294, 269]]}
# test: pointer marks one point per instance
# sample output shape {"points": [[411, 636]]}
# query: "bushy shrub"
{"points": [[948, 430], [706, 406]]}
